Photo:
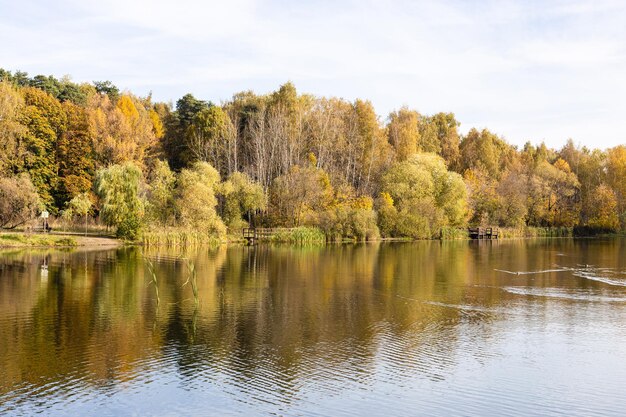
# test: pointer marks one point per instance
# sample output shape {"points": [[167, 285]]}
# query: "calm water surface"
{"points": [[518, 327]]}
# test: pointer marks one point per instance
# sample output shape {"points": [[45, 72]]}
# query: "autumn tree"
{"points": [[107, 88], [439, 134], [45, 121], [160, 206], [157, 123], [349, 216], [616, 178], [285, 123], [79, 205], [589, 167], [196, 201], [240, 198], [484, 150], [274, 139], [122, 131], [209, 138], [604, 214], [512, 190], [326, 135], [367, 145], [177, 124], [296, 197], [403, 133], [484, 201], [121, 202], [141, 126], [74, 155], [426, 195], [112, 143], [11, 129], [19, 201], [531, 156], [387, 215], [552, 195]]}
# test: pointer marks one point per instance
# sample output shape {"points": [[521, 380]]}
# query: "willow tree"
{"points": [[160, 202], [348, 215], [241, 197], [196, 201], [426, 196], [121, 204]]}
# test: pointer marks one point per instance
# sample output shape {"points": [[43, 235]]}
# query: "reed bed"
{"points": [[453, 233], [299, 235], [511, 232], [179, 237]]}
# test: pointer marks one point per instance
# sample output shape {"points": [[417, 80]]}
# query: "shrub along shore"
{"points": [[327, 169]]}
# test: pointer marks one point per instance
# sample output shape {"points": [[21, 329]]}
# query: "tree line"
{"points": [[283, 159]]}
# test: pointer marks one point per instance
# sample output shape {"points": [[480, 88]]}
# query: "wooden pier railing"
{"points": [[483, 233]]}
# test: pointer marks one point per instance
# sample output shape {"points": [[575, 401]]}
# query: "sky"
{"points": [[526, 70]]}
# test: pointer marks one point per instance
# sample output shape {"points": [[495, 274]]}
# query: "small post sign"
{"points": [[44, 217]]}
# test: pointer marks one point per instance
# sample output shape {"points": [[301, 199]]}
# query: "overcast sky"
{"points": [[527, 70]]}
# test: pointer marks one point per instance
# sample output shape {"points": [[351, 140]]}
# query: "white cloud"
{"points": [[182, 18], [526, 70]]}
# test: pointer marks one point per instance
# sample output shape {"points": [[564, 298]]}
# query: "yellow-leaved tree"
{"points": [[122, 132], [616, 178]]}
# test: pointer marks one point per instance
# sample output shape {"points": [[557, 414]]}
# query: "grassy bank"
{"points": [[28, 240]]}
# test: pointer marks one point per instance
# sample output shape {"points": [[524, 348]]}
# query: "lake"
{"points": [[510, 327]]}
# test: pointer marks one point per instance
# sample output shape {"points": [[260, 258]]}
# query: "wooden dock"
{"points": [[483, 233]]}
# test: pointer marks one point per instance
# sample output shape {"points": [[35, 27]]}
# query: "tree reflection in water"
{"points": [[271, 322]]}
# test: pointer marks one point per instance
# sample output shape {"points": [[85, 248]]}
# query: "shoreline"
{"points": [[23, 240]]}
